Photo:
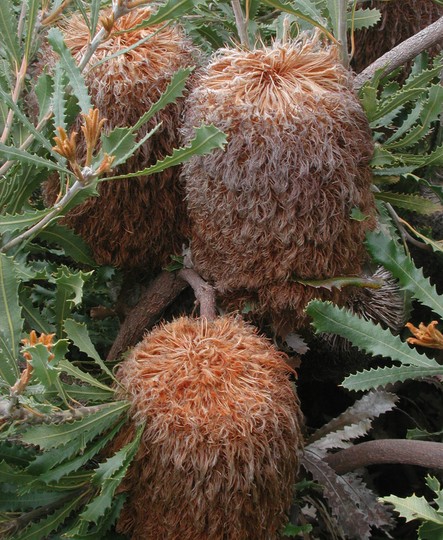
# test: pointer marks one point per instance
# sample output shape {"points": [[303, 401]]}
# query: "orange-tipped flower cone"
{"points": [[400, 19], [218, 457], [138, 222], [276, 204]]}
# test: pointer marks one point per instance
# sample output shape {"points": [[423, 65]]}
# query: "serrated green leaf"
{"points": [[31, 19], [173, 9], [374, 378], [413, 203], [76, 81], [14, 502], [88, 427], [26, 123], [430, 112], [109, 476], [173, 91], [382, 157], [364, 334], [341, 281], [333, 8], [22, 156], [42, 528], [77, 373], [364, 18], [69, 293], [414, 507], [307, 12], [32, 315], [407, 124], [388, 108], [45, 373], [43, 90], [436, 245], [11, 321], [8, 31], [58, 100], [14, 475], [48, 468], [393, 257], [73, 245], [78, 334], [16, 188], [15, 455], [95, 12], [207, 138], [20, 222]]}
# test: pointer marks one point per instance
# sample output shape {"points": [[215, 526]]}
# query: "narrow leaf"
{"points": [[11, 322], [20, 222], [173, 9], [73, 245], [58, 97], [364, 18], [364, 334], [340, 282], [55, 38], [77, 373], [393, 104], [393, 257], [88, 427], [30, 159], [207, 138], [78, 334], [8, 31], [31, 19], [413, 203], [375, 378]]}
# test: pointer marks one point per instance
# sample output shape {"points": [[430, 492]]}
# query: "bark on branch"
{"points": [[162, 291], [204, 293], [406, 51], [423, 453]]}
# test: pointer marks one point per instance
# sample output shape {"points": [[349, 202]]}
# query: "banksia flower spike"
{"points": [[138, 222], [400, 19], [276, 204], [218, 456]]}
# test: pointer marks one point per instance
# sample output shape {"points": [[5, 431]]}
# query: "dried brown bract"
{"points": [[138, 222], [400, 19], [218, 456], [277, 203]]}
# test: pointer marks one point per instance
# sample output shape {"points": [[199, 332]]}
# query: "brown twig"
{"points": [[423, 453], [162, 291], [204, 293], [406, 51]]}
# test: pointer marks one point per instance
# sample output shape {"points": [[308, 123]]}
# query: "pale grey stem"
{"points": [[343, 31], [240, 23], [204, 292], [73, 190], [406, 51]]}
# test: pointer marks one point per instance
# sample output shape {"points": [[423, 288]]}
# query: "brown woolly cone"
{"points": [[276, 203], [218, 457], [136, 222], [400, 19]]}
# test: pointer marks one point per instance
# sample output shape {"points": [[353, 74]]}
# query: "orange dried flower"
{"points": [[218, 457], [426, 336], [46, 339]]}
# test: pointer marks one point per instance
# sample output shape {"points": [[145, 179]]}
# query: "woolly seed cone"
{"points": [[137, 222], [218, 457], [400, 19], [277, 201]]}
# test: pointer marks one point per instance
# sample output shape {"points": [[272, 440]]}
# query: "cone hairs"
{"points": [[137, 222], [400, 19], [218, 457], [276, 205]]}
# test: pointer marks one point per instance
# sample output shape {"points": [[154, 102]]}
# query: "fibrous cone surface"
{"points": [[218, 457], [400, 19], [276, 203], [136, 222]]}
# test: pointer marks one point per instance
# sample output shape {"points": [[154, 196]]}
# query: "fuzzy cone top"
{"points": [[218, 457], [136, 222], [276, 203], [400, 19]]}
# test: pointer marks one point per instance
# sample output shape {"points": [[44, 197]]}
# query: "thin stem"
{"points": [[343, 31], [204, 293], [15, 97], [241, 24], [69, 195]]}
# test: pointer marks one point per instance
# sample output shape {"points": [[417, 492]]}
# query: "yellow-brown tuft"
{"points": [[276, 204], [218, 457], [135, 223]]}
